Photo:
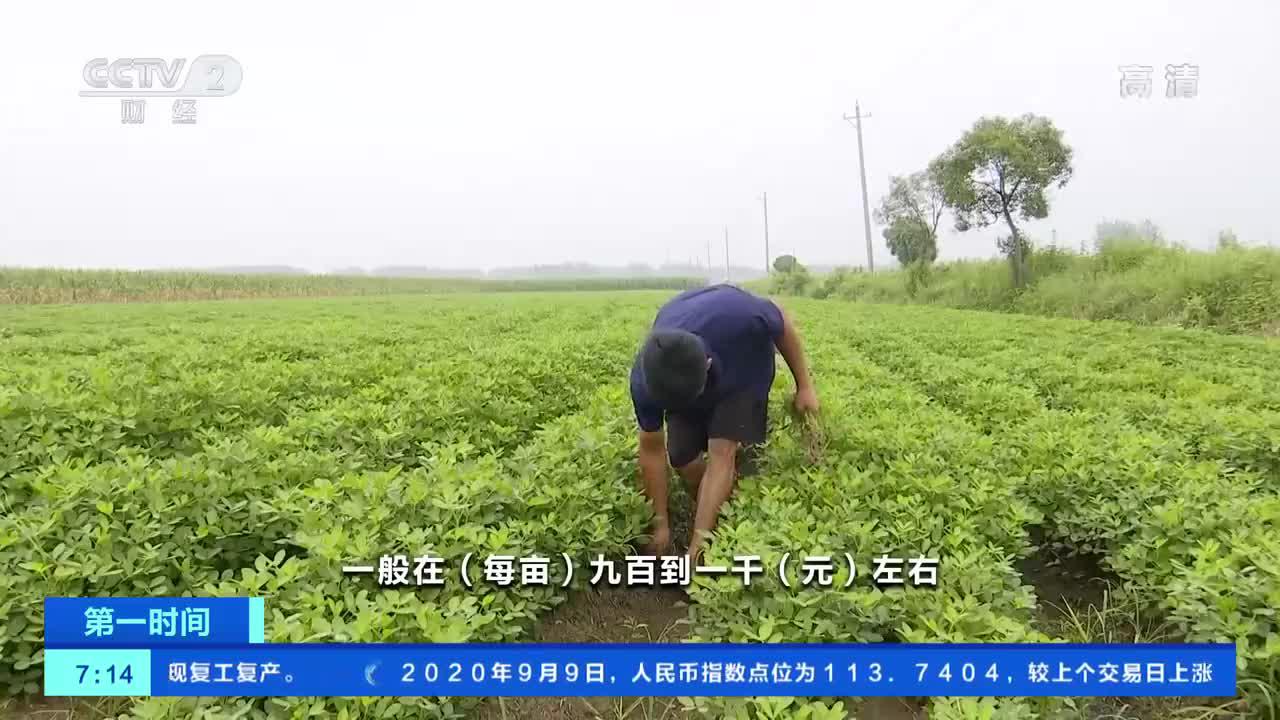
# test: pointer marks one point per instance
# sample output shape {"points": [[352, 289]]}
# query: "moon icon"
{"points": [[368, 673]]}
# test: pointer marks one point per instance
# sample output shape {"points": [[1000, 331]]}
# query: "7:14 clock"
{"points": [[125, 674], [98, 672]]}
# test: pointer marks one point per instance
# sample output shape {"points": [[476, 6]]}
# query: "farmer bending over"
{"points": [[706, 369]]}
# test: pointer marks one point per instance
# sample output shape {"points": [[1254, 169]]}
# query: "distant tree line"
{"points": [[549, 271]]}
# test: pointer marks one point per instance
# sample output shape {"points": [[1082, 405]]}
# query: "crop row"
{"points": [[893, 475], [281, 525], [1172, 443], [386, 389], [344, 432], [252, 449], [994, 389], [1182, 500]]}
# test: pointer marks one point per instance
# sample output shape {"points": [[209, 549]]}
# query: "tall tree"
{"points": [[912, 209], [785, 263], [911, 241], [1000, 169]]}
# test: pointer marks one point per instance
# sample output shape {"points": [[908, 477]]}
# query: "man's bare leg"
{"points": [[692, 474], [714, 489]]}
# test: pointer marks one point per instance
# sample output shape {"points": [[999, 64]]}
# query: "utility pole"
{"points": [[728, 276], [709, 266], [856, 120], [765, 198]]}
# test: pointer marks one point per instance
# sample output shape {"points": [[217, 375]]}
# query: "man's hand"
{"points": [[694, 555], [661, 543], [713, 491], [806, 400]]}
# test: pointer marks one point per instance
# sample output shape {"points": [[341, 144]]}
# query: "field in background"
{"points": [[252, 448], [1235, 290], [57, 286]]}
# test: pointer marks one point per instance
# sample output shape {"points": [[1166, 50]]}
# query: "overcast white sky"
{"points": [[477, 134]]}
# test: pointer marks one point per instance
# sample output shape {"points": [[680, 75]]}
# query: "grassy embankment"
{"points": [[1232, 290]]}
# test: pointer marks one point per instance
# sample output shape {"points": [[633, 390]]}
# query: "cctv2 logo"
{"points": [[207, 76]]}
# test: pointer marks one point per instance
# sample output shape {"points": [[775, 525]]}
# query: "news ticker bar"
{"points": [[660, 670]]}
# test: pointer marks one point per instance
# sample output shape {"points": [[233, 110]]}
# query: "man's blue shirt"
{"points": [[739, 330]]}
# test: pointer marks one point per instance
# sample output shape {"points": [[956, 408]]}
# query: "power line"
{"points": [[856, 121]]}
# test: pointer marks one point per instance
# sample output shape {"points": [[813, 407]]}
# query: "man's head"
{"points": [[674, 364]]}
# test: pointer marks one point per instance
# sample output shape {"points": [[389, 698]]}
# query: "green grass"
{"points": [[1234, 290]]}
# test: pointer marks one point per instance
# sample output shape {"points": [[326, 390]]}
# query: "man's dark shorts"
{"points": [[742, 417]]}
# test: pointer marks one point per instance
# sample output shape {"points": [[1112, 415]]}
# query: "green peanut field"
{"points": [[254, 447]]}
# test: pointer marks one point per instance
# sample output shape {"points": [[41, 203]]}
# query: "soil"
{"points": [[1080, 583], [1062, 580]]}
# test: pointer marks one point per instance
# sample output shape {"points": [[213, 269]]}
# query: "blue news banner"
{"points": [[82, 659]]}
